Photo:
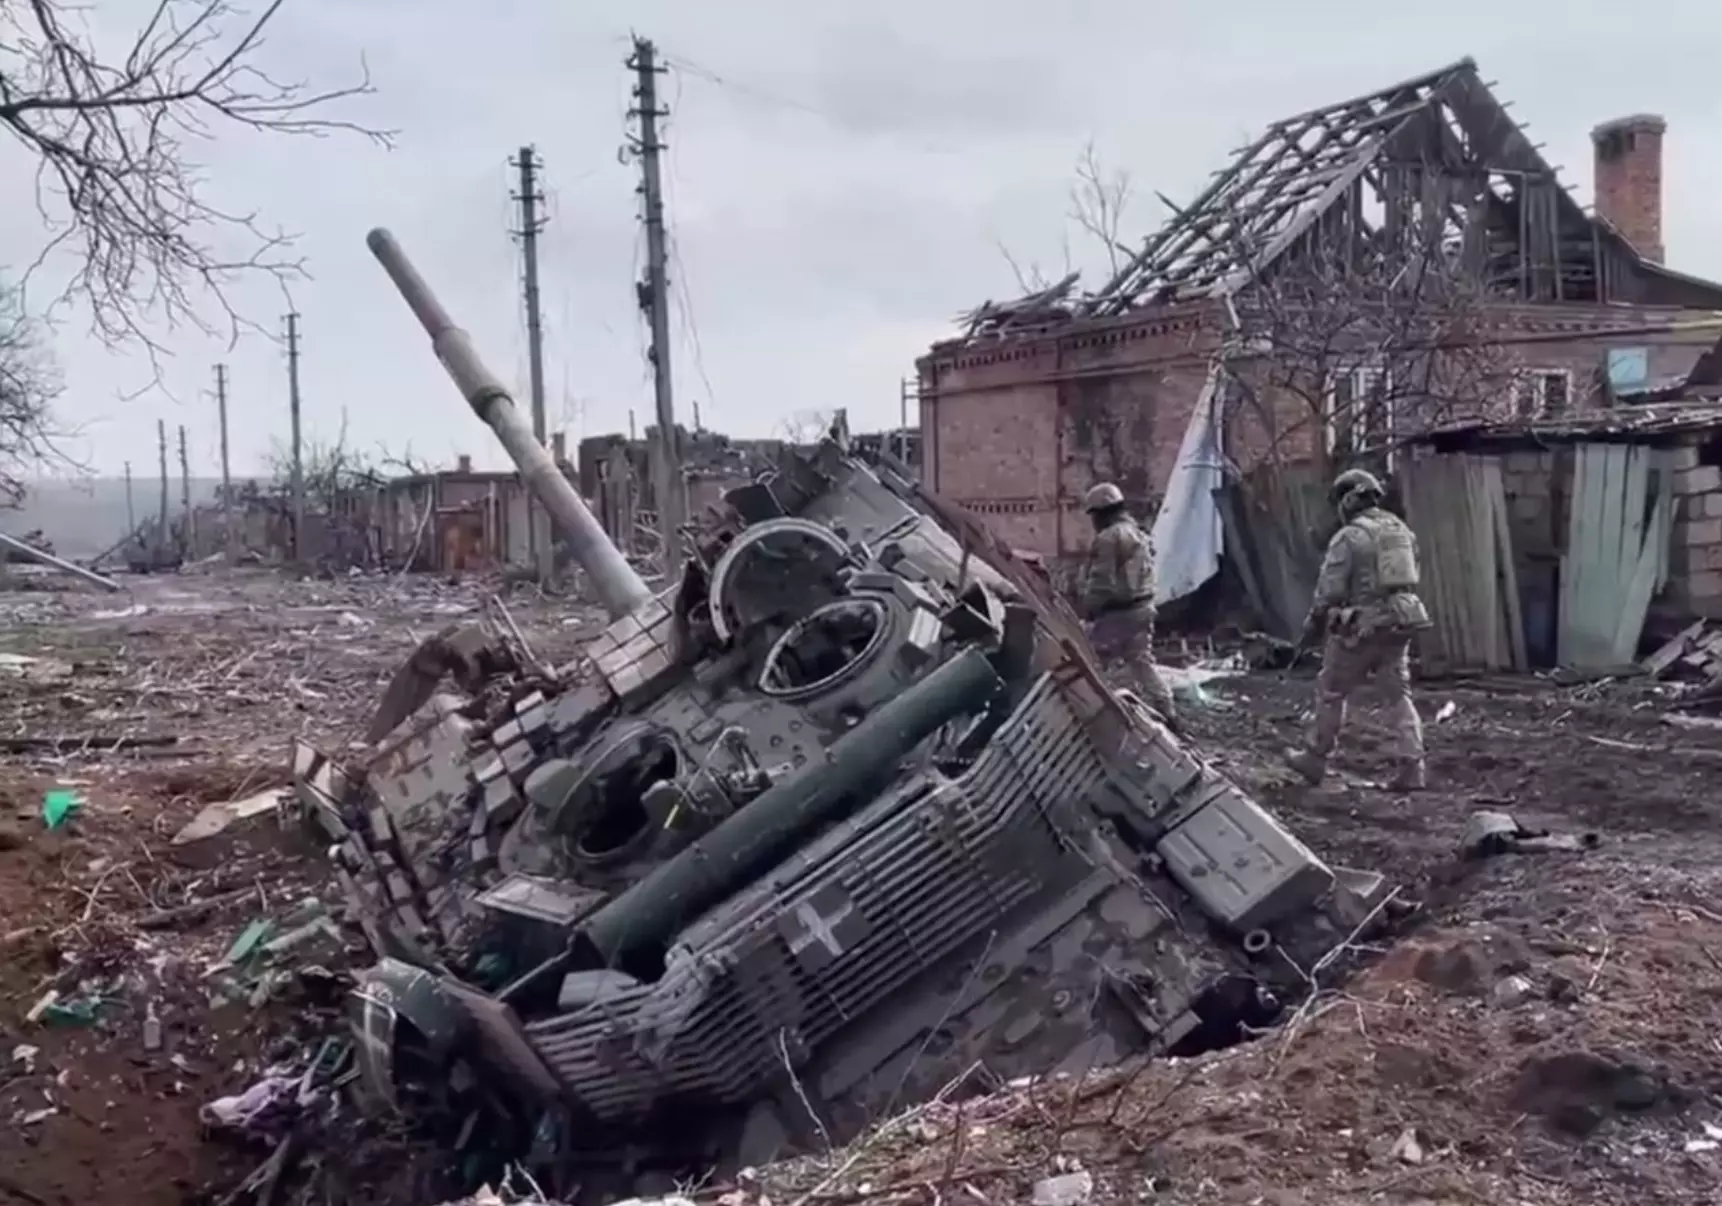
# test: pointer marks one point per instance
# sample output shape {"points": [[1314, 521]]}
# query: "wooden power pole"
{"points": [[161, 520], [131, 513], [190, 534], [298, 478], [654, 299], [227, 533], [538, 537]]}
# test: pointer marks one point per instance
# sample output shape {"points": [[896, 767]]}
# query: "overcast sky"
{"points": [[840, 180]]}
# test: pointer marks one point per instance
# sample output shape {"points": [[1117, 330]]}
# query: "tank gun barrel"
{"points": [[619, 588]]}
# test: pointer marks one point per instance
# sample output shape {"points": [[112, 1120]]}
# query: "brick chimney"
{"points": [[463, 464], [1629, 179]]}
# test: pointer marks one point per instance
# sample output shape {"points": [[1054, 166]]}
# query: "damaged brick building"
{"points": [[1040, 398]]}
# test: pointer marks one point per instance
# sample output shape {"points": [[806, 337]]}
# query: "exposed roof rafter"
{"points": [[1439, 149]]}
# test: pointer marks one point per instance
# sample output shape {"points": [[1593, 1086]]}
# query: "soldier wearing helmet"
{"points": [[1118, 596], [1366, 604]]}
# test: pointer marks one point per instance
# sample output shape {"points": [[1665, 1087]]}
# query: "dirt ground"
{"points": [[229, 667], [1546, 1029]]}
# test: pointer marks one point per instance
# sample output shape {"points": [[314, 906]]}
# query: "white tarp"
{"points": [[1187, 532]]}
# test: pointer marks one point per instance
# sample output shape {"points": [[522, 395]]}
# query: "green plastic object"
{"points": [[58, 805], [72, 1013], [250, 938]]}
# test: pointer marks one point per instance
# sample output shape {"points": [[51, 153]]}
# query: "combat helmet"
{"points": [[1103, 497], [1356, 482]]}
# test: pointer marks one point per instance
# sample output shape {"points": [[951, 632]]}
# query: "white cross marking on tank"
{"points": [[816, 927]]}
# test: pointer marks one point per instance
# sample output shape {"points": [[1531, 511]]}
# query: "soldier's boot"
{"points": [[1411, 775], [1312, 766], [1151, 686]]}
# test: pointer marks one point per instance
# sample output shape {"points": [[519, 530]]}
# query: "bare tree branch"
{"points": [[112, 138], [1098, 200], [29, 385], [1355, 341], [405, 461], [1031, 281], [805, 427]]}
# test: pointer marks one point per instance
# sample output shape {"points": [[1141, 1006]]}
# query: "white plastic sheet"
{"points": [[1187, 532]]}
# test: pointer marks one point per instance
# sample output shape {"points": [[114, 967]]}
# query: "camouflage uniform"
{"points": [[1366, 600], [1118, 598]]}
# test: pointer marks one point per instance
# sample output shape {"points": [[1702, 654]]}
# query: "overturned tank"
{"points": [[843, 815]]}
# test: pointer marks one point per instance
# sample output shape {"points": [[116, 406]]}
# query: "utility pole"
{"points": [[654, 299], [161, 523], [903, 421], [131, 515], [226, 469], [538, 538], [911, 392], [189, 535], [298, 479]]}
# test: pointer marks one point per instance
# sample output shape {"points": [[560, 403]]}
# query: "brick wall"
{"points": [[1536, 506], [1695, 555], [1628, 177], [1018, 431], [1584, 356], [1537, 485]]}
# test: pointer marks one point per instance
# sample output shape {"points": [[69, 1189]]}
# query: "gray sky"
{"points": [[834, 200]]}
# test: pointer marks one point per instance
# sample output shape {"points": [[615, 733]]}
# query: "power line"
{"points": [[679, 282], [681, 64], [685, 305]]}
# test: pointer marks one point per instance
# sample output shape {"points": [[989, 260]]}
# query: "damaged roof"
{"points": [[1442, 141], [1651, 423]]}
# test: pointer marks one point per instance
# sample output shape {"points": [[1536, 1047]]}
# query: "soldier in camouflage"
{"points": [[1366, 605], [1118, 597]]}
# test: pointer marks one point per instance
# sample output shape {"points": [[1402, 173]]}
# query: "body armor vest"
{"points": [[1394, 550]]}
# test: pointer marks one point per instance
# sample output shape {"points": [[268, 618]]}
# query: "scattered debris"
{"points": [[1067, 1189], [1490, 833], [1711, 1141], [1406, 1148], [1696, 652], [1513, 991], [1189, 683], [217, 817]]}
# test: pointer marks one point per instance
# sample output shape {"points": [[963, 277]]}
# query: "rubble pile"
{"points": [[1523, 1061]]}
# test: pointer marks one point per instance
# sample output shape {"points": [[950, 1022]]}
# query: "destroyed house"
{"points": [[459, 520], [1360, 272], [616, 474]]}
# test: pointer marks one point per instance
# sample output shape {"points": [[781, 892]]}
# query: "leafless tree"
{"points": [[804, 427], [341, 486], [1029, 278], [403, 461], [333, 471], [112, 136], [1098, 201], [29, 385], [1343, 349]]}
